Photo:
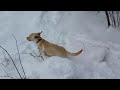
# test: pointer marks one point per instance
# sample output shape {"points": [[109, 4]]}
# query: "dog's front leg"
{"points": [[41, 55], [45, 55]]}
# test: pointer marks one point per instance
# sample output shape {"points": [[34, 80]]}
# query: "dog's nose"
{"points": [[28, 38]]}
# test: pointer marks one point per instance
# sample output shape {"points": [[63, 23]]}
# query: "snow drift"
{"points": [[72, 30]]}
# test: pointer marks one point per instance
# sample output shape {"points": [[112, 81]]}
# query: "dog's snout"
{"points": [[28, 38]]}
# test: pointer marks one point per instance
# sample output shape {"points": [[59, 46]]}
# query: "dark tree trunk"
{"points": [[113, 16], [107, 16]]}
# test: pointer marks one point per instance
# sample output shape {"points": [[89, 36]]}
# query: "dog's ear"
{"points": [[39, 33]]}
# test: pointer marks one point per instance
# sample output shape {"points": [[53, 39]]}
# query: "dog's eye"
{"points": [[35, 36], [38, 33]]}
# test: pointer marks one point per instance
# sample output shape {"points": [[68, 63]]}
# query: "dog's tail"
{"points": [[74, 54]]}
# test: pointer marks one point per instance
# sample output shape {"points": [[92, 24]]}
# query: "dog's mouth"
{"points": [[28, 39]]}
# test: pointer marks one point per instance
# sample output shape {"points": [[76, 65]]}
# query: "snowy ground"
{"points": [[73, 30]]}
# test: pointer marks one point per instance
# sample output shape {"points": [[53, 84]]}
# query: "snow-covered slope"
{"points": [[73, 30]]}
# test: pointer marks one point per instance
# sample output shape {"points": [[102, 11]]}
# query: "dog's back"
{"points": [[56, 50]]}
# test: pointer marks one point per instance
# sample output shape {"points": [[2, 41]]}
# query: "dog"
{"points": [[48, 49]]}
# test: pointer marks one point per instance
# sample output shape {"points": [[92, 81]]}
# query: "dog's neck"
{"points": [[38, 40]]}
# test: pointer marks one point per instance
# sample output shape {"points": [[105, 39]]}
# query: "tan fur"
{"points": [[50, 49]]}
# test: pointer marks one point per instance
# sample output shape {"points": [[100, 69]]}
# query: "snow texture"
{"points": [[74, 30]]}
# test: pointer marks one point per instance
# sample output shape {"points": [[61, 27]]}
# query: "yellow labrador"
{"points": [[48, 49]]}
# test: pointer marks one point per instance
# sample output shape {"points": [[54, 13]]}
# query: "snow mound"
{"points": [[72, 30], [53, 67]]}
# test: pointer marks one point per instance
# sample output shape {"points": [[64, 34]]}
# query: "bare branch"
{"points": [[4, 69], [36, 56], [19, 56], [7, 75], [32, 55], [12, 61], [41, 56]]}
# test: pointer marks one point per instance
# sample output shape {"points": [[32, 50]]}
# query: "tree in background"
{"points": [[113, 18]]}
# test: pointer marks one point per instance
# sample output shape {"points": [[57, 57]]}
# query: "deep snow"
{"points": [[73, 30]]}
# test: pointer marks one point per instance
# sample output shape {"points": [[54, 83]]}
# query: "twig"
{"points": [[36, 56], [41, 56], [5, 59], [7, 75], [3, 68], [3, 65], [4, 55], [32, 55], [12, 61], [19, 56]]}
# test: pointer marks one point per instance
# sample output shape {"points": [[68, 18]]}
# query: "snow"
{"points": [[74, 30]]}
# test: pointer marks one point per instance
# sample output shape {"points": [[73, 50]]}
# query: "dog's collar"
{"points": [[39, 40]]}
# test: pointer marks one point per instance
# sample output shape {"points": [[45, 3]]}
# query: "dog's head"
{"points": [[34, 36]]}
